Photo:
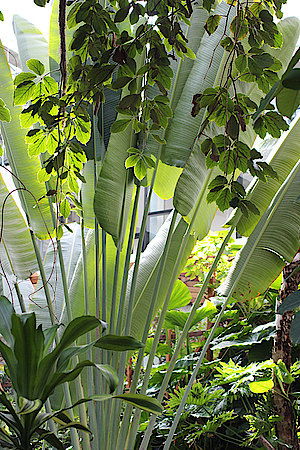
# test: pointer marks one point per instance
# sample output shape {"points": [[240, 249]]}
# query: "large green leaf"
{"points": [[179, 318], [284, 156], [16, 248], [28, 350], [180, 296], [115, 185], [273, 242], [23, 167], [118, 343], [181, 69], [31, 43], [184, 128], [6, 312], [193, 182]]}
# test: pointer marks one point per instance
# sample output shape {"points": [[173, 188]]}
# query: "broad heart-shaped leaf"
{"points": [[179, 318], [31, 43], [148, 270], [28, 350], [274, 241], [284, 156], [16, 248], [291, 302], [180, 296], [6, 312], [24, 167], [118, 343]]}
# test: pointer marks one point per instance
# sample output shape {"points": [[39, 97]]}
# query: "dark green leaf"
{"points": [[292, 80], [121, 14], [6, 312], [143, 402], [28, 406], [212, 23], [118, 343], [120, 125], [295, 329], [291, 302], [121, 82]]}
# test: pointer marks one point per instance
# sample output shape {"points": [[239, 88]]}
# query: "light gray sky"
{"points": [[40, 17]]}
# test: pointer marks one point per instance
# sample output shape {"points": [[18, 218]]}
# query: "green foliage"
{"points": [[203, 255]]}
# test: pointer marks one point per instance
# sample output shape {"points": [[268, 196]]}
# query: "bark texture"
{"points": [[286, 429]]}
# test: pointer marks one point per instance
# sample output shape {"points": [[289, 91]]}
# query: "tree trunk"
{"points": [[286, 429]]}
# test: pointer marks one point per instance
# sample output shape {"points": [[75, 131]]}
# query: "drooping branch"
{"points": [[63, 48]]}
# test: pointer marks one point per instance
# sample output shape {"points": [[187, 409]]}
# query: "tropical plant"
{"points": [[35, 369], [116, 294]]}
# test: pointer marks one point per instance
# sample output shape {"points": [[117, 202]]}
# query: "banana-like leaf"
{"points": [[23, 167], [181, 68], [193, 182], [286, 153], [115, 185], [16, 249], [31, 43], [274, 241], [184, 128], [148, 270]]}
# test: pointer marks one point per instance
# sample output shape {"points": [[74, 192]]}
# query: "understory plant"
{"points": [[110, 113]]}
